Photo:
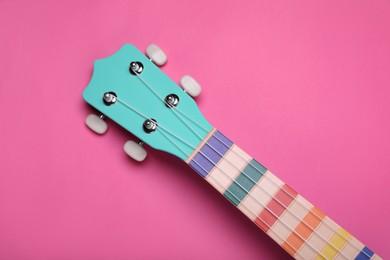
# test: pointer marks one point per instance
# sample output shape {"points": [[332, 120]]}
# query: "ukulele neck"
{"points": [[296, 225]]}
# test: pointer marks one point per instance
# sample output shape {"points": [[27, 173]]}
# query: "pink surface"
{"points": [[301, 86]]}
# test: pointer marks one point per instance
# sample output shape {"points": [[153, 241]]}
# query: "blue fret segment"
{"points": [[210, 153], [365, 254], [244, 183]]}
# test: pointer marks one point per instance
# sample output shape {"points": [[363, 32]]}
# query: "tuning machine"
{"points": [[190, 86], [188, 83], [156, 55], [135, 150], [96, 123]]}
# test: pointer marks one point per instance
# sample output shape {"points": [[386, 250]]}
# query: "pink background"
{"points": [[303, 86]]}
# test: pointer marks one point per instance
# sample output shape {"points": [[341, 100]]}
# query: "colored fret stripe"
{"points": [[338, 240], [366, 253], [350, 249], [260, 195], [210, 153], [320, 237], [196, 150], [303, 230], [289, 220], [275, 208], [244, 182], [296, 225], [228, 169]]}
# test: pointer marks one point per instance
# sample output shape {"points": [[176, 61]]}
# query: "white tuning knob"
{"points": [[156, 54], [135, 151], [190, 85], [96, 123]]}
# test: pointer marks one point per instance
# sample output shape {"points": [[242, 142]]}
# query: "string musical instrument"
{"points": [[131, 90]]}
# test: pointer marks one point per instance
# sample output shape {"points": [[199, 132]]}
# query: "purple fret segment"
{"points": [[204, 161]]}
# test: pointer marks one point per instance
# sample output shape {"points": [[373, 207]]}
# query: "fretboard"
{"points": [[303, 230]]}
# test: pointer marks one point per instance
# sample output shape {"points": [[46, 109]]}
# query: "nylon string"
{"points": [[174, 109], [264, 206]]}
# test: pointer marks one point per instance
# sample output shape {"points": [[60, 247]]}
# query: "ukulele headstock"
{"points": [[131, 90]]}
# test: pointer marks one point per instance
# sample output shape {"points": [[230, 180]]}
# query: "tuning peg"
{"points": [[135, 150], [156, 55], [190, 85], [96, 123]]}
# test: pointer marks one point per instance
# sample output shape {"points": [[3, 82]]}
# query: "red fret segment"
{"points": [[275, 207]]}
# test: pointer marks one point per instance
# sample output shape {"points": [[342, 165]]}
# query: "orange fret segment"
{"points": [[303, 230], [292, 244], [318, 213]]}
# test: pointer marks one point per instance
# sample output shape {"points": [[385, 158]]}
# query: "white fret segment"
{"points": [[351, 249], [260, 195], [227, 170], [289, 220], [319, 239]]}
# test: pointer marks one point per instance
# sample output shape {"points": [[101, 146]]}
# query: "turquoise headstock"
{"points": [[129, 89]]}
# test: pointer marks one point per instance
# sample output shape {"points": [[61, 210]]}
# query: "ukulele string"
{"points": [[254, 182], [221, 186], [261, 204], [174, 109], [276, 185], [272, 181], [165, 103]]}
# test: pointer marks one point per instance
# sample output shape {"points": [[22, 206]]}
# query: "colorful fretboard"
{"points": [[301, 229]]}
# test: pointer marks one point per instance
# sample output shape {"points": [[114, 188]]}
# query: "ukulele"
{"points": [[130, 89]]}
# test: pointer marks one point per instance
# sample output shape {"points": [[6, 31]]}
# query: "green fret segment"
{"points": [[243, 184]]}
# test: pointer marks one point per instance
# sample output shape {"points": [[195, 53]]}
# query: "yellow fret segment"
{"points": [[335, 244], [351, 249]]}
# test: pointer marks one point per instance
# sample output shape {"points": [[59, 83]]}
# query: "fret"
{"points": [[303, 230]]}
